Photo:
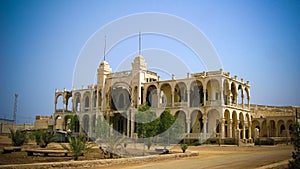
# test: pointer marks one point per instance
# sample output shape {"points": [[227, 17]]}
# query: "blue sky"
{"points": [[41, 40]]}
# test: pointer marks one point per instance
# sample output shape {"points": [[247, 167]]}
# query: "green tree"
{"points": [[170, 128], [43, 138], [147, 124], [77, 146], [18, 137], [295, 133]]}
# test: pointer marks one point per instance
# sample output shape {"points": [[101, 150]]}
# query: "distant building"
{"points": [[43, 122], [6, 121]]}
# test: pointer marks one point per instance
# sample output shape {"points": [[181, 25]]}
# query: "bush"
{"points": [[295, 133], [45, 138], [183, 147], [77, 146], [18, 137]]}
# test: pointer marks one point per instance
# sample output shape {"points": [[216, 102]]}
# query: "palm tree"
{"points": [[77, 146], [18, 137]]}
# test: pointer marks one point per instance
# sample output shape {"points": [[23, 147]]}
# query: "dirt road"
{"points": [[222, 157]]}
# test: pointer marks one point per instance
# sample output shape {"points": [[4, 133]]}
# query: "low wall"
{"points": [[102, 162], [5, 128]]}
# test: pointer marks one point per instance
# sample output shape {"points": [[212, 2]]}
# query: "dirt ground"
{"points": [[210, 156]]}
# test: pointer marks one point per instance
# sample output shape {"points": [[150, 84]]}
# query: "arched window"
{"points": [[87, 101], [121, 101]]}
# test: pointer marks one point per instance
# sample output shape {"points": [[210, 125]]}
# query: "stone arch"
{"points": [[226, 92], [228, 123], [263, 131], [58, 122], [99, 98], [69, 104], [213, 119], [181, 116], [180, 92], [247, 92], [86, 101], [151, 96], [289, 124], [213, 92], [272, 127], [86, 123], [281, 128], [196, 121], [77, 102], [59, 102], [166, 95], [240, 95], [255, 125], [120, 98], [233, 93], [196, 94]]}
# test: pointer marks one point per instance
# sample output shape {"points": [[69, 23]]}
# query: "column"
{"points": [[244, 130], [188, 125], [237, 127], [128, 123], [172, 96], [204, 126], [144, 95], [132, 123], [222, 131], [250, 130], [242, 101], [204, 97], [230, 128], [158, 97], [188, 98]]}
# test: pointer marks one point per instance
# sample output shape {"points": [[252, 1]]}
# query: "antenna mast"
{"points": [[104, 47], [15, 108], [140, 43]]}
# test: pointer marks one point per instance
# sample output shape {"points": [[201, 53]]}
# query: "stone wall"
{"points": [[5, 128], [262, 111]]}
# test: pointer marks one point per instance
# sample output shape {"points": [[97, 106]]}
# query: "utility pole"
{"points": [[15, 108]]}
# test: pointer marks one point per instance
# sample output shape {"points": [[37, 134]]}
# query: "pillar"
{"points": [[244, 130], [128, 123], [237, 127], [172, 99], [230, 128], [158, 97], [188, 125], [188, 98], [204, 125], [250, 130], [204, 97], [222, 131], [132, 113]]}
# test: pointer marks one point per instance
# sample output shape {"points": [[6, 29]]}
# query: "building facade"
{"points": [[208, 104]]}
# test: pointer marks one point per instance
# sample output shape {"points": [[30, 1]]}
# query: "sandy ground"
{"points": [[222, 157], [210, 156]]}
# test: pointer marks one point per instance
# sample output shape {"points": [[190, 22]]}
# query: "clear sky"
{"points": [[41, 40]]}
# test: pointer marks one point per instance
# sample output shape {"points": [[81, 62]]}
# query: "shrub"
{"points": [[295, 133], [77, 146], [46, 138], [183, 147], [18, 137]]}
